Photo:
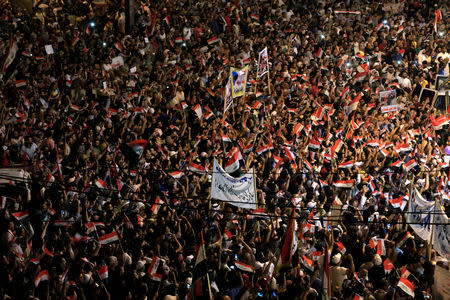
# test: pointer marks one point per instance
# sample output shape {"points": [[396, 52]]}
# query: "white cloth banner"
{"points": [[441, 283], [239, 192], [441, 236], [420, 213]]}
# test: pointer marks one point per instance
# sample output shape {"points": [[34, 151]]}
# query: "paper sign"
{"points": [[388, 101], [49, 49], [117, 62]]}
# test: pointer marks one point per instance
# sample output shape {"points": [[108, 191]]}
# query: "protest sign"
{"points": [[263, 63], [239, 191], [238, 78], [388, 101]]}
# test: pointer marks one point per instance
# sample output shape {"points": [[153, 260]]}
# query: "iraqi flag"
{"points": [[198, 111], [297, 129], [233, 163], [103, 272], [138, 146], [153, 269], [340, 247], [336, 147], [289, 153], [346, 165], [345, 184], [381, 247], [42, 276], [406, 286], [199, 284], [157, 205], [213, 41], [313, 144], [20, 215], [439, 122], [319, 53], [101, 184], [108, 238], [399, 202], [118, 46], [177, 174], [20, 83], [410, 164], [12, 51], [388, 266], [196, 168], [353, 105], [243, 267]]}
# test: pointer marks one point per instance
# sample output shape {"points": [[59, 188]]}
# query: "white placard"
{"points": [[49, 49]]}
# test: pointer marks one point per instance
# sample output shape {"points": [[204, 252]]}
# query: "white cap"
{"points": [[336, 258]]}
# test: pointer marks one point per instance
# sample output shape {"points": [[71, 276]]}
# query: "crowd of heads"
{"points": [[118, 124]]}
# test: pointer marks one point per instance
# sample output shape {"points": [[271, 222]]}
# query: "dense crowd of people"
{"points": [[119, 129]]}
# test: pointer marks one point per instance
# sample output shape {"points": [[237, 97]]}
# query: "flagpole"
{"points": [[268, 80], [446, 103], [430, 244]]}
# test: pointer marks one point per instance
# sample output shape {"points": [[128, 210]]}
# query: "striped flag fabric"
{"points": [[42, 276], [388, 266], [196, 168], [399, 202], [410, 164], [213, 40], [381, 247], [103, 272], [406, 286], [101, 184], [157, 205], [108, 238], [20, 215], [289, 153], [198, 110], [153, 269], [177, 174], [340, 247], [243, 267], [199, 273], [313, 144], [344, 183]]}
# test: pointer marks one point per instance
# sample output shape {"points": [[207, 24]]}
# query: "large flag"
{"points": [[441, 238], [420, 215], [238, 78], [239, 192], [199, 273], [138, 146], [289, 244], [263, 63], [11, 54], [406, 286]]}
